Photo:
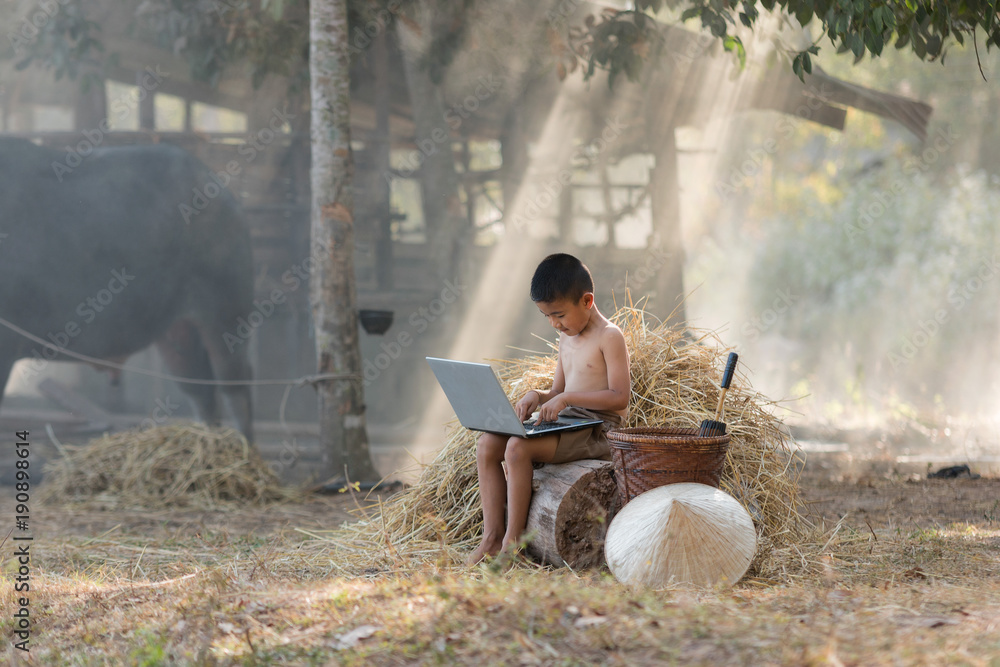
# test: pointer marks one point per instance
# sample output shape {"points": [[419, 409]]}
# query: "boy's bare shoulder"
{"points": [[613, 341], [612, 333]]}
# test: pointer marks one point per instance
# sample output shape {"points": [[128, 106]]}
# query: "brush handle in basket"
{"points": [[727, 379], [727, 376]]}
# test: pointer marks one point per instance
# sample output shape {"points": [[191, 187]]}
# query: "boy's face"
{"points": [[566, 316]]}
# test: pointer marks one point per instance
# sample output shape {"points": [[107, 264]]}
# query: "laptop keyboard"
{"points": [[544, 426]]}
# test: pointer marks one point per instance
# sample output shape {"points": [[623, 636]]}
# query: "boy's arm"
{"points": [[527, 402], [558, 384], [616, 396]]}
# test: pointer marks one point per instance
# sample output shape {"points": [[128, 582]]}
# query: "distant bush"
{"points": [[896, 284]]}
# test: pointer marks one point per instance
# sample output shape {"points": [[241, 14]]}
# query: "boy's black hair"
{"points": [[561, 276]]}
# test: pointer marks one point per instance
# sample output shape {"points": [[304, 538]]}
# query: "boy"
{"points": [[591, 381]]}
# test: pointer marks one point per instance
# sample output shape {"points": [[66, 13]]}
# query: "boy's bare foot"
{"points": [[486, 549], [510, 555]]}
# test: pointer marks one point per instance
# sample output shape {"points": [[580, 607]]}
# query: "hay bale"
{"points": [[184, 465], [674, 370]]}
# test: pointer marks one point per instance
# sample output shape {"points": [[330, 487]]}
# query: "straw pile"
{"points": [[674, 375], [185, 465]]}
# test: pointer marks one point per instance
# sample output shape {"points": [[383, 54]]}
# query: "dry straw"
{"points": [[184, 465], [673, 369]]}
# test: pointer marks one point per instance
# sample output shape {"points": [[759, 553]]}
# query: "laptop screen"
{"points": [[476, 396]]}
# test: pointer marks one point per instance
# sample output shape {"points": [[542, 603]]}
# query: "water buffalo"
{"points": [[130, 246]]}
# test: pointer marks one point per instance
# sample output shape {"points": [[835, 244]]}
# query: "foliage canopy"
{"points": [[620, 41], [271, 34]]}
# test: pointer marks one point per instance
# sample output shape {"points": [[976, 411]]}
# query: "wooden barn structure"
{"points": [[268, 136]]}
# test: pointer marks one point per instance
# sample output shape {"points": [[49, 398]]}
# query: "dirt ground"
{"points": [[890, 500], [877, 497], [877, 501], [911, 577]]}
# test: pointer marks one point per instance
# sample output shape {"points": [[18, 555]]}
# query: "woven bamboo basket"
{"points": [[647, 457]]}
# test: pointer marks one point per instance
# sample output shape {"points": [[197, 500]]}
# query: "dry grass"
{"points": [[254, 586], [923, 596], [674, 374], [184, 465]]}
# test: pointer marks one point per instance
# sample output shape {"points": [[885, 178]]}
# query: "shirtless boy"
{"points": [[591, 380]]}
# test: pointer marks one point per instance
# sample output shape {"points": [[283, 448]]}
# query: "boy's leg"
{"points": [[492, 493], [519, 455]]}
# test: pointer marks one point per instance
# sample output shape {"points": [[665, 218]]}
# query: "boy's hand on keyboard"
{"points": [[527, 405], [550, 411]]}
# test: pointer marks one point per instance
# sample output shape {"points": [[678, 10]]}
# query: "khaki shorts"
{"points": [[586, 443]]}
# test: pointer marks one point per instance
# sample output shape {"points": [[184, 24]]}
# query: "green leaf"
{"points": [[841, 26], [804, 13], [857, 44], [690, 13], [934, 44], [874, 42], [806, 64], [904, 36], [889, 18], [875, 20], [713, 22], [745, 20], [731, 43], [797, 67]]}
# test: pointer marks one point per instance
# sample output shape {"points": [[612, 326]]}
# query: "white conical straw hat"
{"points": [[680, 533]]}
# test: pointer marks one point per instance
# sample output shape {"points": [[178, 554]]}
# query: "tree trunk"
{"points": [[333, 296], [571, 507], [434, 162]]}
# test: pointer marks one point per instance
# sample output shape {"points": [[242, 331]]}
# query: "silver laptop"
{"points": [[481, 404]]}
